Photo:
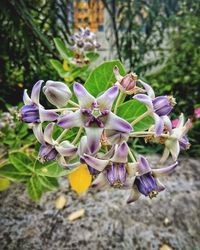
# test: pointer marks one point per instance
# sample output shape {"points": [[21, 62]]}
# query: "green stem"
{"points": [[131, 155], [118, 102], [61, 135], [77, 136], [63, 109], [73, 104], [139, 118]]}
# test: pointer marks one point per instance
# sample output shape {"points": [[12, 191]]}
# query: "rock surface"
{"points": [[170, 221]]}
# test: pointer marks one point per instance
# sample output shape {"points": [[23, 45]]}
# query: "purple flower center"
{"points": [[30, 113], [147, 185], [95, 115], [162, 105], [116, 175], [47, 153]]}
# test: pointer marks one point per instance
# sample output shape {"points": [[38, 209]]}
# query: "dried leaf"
{"points": [[76, 215], [60, 202], [165, 247]]}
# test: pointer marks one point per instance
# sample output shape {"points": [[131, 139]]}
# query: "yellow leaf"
{"points": [[4, 184], [76, 215], [80, 179]]}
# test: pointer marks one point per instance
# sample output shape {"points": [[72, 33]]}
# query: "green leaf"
{"points": [[92, 56], [21, 162], [12, 174], [132, 109], [49, 183], [34, 188], [51, 169], [58, 67], [62, 49], [102, 77]]}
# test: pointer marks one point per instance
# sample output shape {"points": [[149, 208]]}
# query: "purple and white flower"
{"points": [[146, 180], [177, 140], [159, 106], [33, 111], [50, 149], [94, 115]]}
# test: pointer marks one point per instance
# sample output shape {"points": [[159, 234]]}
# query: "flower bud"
{"points": [[29, 113], [162, 105], [47, 153], [147, 185], [57, 93]]}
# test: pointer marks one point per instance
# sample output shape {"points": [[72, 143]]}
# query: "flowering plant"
{"points": [[87, 133]]}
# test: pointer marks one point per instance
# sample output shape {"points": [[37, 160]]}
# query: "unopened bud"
{"points": [[57, 93]]}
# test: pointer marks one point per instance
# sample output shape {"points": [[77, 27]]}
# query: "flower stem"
{"points": [[61, 135], [73, 103], [77, 136], [131, 155], [118, 102], [63, 109], [139, 118]]}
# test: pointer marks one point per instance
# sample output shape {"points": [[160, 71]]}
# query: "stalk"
{"points": [[139, 118]]}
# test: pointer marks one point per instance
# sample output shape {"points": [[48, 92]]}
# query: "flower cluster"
{"points": [[102, 138]]}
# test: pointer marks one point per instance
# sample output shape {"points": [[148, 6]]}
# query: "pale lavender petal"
{"points": [[180, 121], [165, 155], [65, 148], [117, 74], [48, 133], [83, 147], [37, 130], [70, 165], [35, 94], [106, 100], [143, 166], [85, 99], [116, 137], [71, 120], [174, 149], [114, 122], [148, 89], [93, 138], [145, 99], [160, 186], [100, 182], [47, 115], [26, 99], [167, 122], [95, 163], [121, 154], [134, 195], [164, 171], [159, 124]]}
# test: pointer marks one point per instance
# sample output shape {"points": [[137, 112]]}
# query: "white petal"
{"points": [[35, 94], [71, 120], [93, 138], [48, 133], [85, 99], [37, 130], [114, 122], [95, 163], [134, 195], [26, 99], [106, 100], [148, 88], [121, 154]]}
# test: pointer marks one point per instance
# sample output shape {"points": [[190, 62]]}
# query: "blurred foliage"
{"points": [[27, 30]]}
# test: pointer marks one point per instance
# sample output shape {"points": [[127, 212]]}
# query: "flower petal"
{"points": [[106, 100], [148, 89], [100, 182], [167, 122], [174, 149], [114, 122], [159, 124], [83, 148], [143, 166], [85, 99], [93, 138], [26, 99], [65, 148], [134, 195], [117, 74], [95, 163], [47, 115], [35, 94], [160, 186], [121, 154], [116, 137], [164, 171], [71, 120], [48, 133], [165, 155], [37, 130], [145, 99]]}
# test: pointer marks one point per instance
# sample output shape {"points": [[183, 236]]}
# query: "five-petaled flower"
{"points": [[146, 180], [94, 115]]}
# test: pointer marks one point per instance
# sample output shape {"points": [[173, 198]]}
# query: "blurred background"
{"points": [[159, 40]]}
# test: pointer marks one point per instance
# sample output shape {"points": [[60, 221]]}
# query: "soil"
{"points": [[169, 221]]}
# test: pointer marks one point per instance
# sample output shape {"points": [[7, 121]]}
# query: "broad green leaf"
{"points": [[92, 56], [4, 184], [59, 68], [34, 188], [12, 174], [49, 183], [132, 109], [62, 49], [21, 162], [102, 77], [51, 169]]}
